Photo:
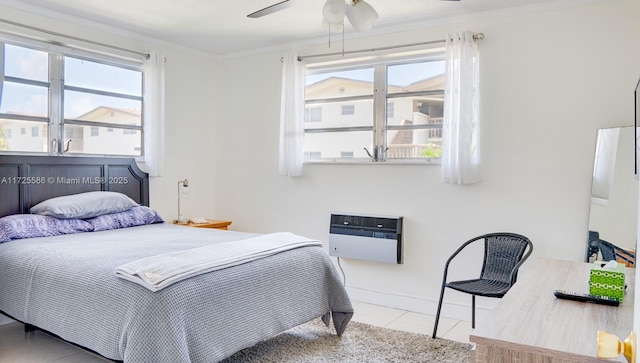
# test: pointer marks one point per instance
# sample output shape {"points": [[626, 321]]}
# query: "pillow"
{"points": [[136, 216], [84, 205], [33, 225]]}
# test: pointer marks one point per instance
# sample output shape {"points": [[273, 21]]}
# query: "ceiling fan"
{"points": [[360, 14], [270, 9]]}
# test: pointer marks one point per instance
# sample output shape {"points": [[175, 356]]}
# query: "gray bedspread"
{"points": [[66, 285]]}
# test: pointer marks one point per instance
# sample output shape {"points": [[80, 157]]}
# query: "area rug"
{"points": [[313, 342]]}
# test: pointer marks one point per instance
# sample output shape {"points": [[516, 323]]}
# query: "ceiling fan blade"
{"points": [[270, 9]]}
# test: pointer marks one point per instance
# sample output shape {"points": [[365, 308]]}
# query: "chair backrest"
{"points": [[611, 252], [607, 250], [592, 245], [502, 252]]}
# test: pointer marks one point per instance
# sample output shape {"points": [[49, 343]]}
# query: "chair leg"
{"points": [[473, 311], [435, 326]]}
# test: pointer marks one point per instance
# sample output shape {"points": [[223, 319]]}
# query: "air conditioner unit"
{"points": [[375, 238]]}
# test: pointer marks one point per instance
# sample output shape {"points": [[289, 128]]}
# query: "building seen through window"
{"points": [[406, 115]]}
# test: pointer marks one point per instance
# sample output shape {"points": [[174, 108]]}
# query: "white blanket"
{"points": [[158, 272]]}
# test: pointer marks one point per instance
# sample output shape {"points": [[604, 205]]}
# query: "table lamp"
{"points": [[181, 219]]}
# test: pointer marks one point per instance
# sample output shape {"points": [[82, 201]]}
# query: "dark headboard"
{"points": [[28, 180]]}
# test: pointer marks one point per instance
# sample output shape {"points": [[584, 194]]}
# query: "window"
{"points": [[99, 97], [313, 114], [403, 120], [348, 109], [66, 99], [7, 133]]}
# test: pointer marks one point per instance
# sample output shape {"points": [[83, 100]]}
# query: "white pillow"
{"points": [[84, 205]]}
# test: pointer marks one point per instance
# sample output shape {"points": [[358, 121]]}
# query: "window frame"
{"points": [[381, 99], [55, 119]]}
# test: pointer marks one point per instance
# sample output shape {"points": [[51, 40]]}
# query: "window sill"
{"points": [[362, 161]]}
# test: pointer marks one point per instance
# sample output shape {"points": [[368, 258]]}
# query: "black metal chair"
{"points": [[504, 253], [607, 250], [593, 246], [611, 252]]}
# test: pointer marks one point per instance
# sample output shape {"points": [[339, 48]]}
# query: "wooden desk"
{"points": [[531, 325]]}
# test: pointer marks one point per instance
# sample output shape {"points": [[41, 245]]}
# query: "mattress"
{"points": [[66, 285]]}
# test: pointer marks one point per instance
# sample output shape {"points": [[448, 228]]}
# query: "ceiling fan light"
{"points": [[361, 15], [334, 11]]}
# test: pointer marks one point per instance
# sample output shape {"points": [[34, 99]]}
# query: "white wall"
{"points": [[189, 96], [549, 80]]}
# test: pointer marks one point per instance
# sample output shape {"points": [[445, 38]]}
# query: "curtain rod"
{"points": [[145, 55], [476, 37]]}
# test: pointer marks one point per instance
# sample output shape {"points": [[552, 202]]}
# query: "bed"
{"points": [[65, 284]]}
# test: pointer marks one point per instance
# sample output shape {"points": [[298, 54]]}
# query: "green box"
{"points": [[607, 282]]}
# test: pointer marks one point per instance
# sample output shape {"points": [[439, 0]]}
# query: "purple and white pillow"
{"points": [[19, 226], [136, 216]]}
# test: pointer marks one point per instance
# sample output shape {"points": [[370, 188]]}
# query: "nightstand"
{"points": [[211, 223]]}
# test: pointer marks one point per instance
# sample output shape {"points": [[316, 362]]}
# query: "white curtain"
{"points": [[154, 114], [604, 165], [291, 116], [461, 123], [1, 70]]}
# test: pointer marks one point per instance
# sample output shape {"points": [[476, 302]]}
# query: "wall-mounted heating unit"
{"points": [[374, 238]]}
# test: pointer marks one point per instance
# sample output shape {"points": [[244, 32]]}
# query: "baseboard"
{"points": [[5, 320], [453, 310]]}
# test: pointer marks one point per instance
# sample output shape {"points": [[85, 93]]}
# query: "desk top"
{"points": [[531, 319]]}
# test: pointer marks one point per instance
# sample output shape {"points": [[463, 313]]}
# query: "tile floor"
{"points": [[16, 346], [391, 318]]}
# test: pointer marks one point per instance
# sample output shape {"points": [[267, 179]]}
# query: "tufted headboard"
{"points": [[28, 180]]}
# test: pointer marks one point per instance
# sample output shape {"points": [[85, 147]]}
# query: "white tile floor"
{"points": [[391, 318], [16, 346]]}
